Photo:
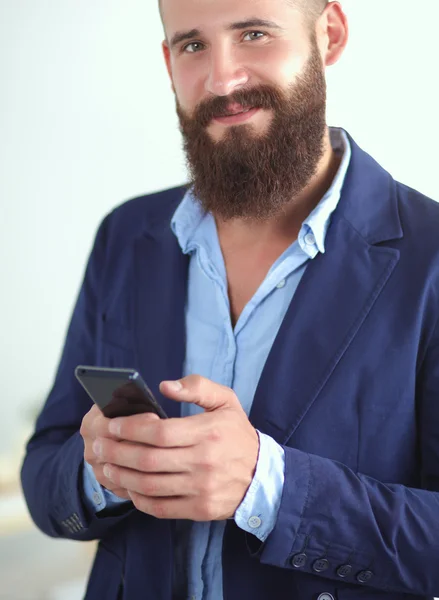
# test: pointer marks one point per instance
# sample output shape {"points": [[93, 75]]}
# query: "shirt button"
{"points": [[325, 596], [310, 239], [254, 522], [281, 284], [97, 498]]}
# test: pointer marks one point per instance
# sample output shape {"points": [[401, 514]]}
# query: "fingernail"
{"points": [[174, 386], [114, 427], [97, 447], [107, 472]]}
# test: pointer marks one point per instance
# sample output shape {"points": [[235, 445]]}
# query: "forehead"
{"points": [[212, 14]]}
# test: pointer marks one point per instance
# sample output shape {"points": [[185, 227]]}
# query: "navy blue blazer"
{"points": [[350, 389]]}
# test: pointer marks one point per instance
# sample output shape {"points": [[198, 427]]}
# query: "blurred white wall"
{"points": [[87, 120]]}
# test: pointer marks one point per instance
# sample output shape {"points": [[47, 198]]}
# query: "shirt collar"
{"points": [[187, 219], [190, 214], [318, 220]]}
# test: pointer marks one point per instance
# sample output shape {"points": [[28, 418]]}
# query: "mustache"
{"points": [[264, 97]]}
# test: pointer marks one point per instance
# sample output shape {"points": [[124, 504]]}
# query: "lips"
{"points": [[234, 109]]}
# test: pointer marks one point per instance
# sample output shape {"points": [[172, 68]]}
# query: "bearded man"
{"points": [[284, 311]]}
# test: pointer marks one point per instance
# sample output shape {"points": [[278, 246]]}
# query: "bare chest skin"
{"points": [[246, 270], [248, 258]]}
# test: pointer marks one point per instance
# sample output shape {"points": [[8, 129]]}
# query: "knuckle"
{"points": [[161, 434], [83, 429], [147, 461], [97, 425], [230, 391], [89, 455], [206, 511], [207, 461], [208, 487], [215, 434], [198, 383], [107, 450], [148, 486], [195, 383]]}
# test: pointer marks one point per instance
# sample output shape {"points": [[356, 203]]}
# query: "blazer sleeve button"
{"points": [[299, 560], [364, 576], [344, 571], [320, 565]]}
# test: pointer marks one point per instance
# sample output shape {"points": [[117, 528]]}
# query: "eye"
{"points": [[193, 47], [254, 35]]}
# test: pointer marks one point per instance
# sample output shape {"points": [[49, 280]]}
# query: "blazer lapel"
{"points": [[161, 272], [334, 297]]}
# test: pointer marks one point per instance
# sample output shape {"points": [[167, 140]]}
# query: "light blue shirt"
{"points": [[234, 357]]}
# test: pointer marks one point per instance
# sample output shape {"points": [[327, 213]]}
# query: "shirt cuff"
{"points": [[96, 497], [257, 514]]}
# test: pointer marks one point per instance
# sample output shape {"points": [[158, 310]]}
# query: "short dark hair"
{"points": [[311, 8]]}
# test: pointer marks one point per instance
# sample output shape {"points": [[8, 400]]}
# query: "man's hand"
{"points": [[95, 425], [196, 468]]}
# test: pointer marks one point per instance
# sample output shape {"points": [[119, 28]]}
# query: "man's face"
{"points": [[220, 60], [251, 99]]}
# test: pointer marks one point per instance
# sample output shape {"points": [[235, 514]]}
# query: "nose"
{"points": [[225, 74]]}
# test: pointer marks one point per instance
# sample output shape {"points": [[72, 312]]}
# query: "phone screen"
{"points": [[117, 392]]}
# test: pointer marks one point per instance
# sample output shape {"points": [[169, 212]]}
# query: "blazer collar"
{"points": [[314, 335], [369, 199], [368, 202]]}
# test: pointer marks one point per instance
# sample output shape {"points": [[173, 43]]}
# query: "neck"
{"points": [[285, 227]]}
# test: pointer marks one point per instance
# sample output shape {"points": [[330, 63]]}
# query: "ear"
{"points": [[333, 33], [167, 57]]}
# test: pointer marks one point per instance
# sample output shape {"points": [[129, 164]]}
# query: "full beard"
{"points": [[254, 176]]}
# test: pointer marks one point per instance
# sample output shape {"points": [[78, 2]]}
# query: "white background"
{"points": [[87, 121]]}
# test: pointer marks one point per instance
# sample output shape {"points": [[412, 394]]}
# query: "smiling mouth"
{"points": [[240, 112], [236, 117], [234, 108]]}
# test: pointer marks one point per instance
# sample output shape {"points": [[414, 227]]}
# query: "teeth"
{"points": [[239, 113]]}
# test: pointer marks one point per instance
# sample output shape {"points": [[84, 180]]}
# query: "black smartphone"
{"points": [[118, 392]]}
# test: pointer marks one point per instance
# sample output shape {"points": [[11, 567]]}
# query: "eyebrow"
{"points": [[182, 36]]}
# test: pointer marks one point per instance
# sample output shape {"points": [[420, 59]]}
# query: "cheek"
{"points": [[188, 86], [280, 66]]}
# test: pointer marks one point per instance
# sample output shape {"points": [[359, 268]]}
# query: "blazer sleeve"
{"points": [[51, 473], [346, 526]]}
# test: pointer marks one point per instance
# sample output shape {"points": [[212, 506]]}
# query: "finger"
{"points": [[154, 485], [109, 485], [120, 493], [165, 433], [87, 421], [146, 459], [201, 391], [95, 424], [98, 425], [167, 508]]}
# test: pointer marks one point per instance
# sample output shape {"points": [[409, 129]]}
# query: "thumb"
{"points": [[202, 392]]}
